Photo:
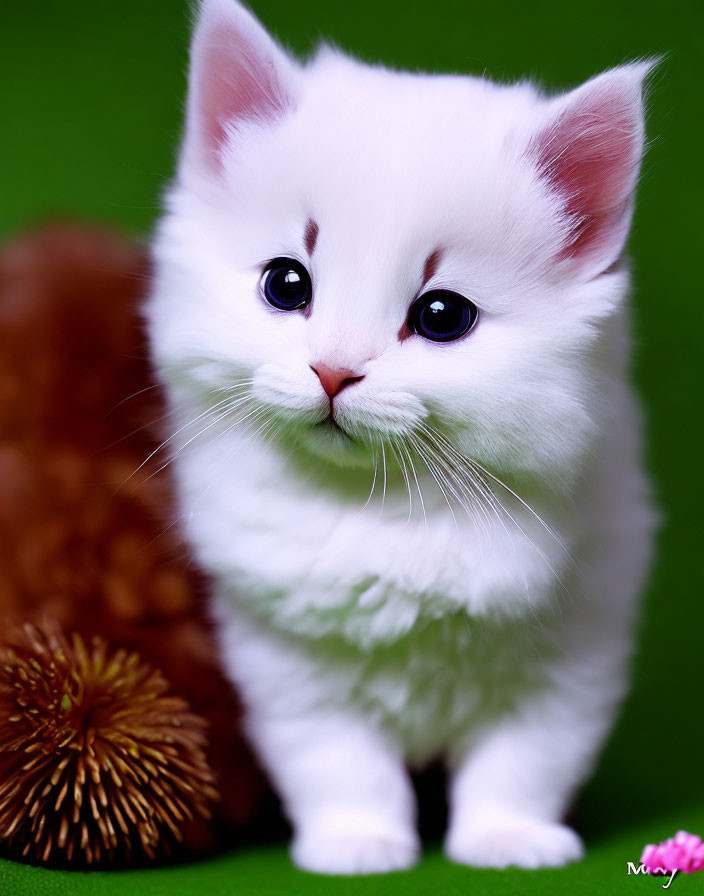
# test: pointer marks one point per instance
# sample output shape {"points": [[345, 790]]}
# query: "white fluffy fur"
{"points": [[367, 636]]}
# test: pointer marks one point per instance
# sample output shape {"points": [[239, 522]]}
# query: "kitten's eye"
{"points": [[286, 284], [441, 315]]}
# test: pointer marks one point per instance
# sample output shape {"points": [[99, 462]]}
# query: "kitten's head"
{"points": [[370, 253]]}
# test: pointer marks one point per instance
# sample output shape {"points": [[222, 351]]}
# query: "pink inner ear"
{"points": [[590, 156], [237, 81]]}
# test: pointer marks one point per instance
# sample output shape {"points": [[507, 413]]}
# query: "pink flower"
{"points": [[683, 852]]}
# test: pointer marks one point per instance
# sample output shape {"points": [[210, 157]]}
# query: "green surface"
{"points": [[90, 100], [267, 872]]}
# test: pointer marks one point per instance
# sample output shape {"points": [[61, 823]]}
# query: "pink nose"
{"points": [[334, 380]]}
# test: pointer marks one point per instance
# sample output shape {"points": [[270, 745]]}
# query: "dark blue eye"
{"points": [[286, 284], [441, 315]]}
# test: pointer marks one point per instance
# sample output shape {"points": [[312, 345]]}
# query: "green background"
{"points": [[91, 93]]}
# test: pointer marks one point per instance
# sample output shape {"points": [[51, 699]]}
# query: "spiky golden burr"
{"points": [[98, 761]]}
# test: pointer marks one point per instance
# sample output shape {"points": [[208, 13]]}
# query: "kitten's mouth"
{"points": [[330, 424], [331, 441]]}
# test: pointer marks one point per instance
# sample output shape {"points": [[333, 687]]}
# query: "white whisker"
{"points": [[475, 472], [428, 464], [205, 413], [404, 473], [376, 467], [403, 447], [180, 448], [527, 506], [383, 494], [478, 467], [465, 499]]}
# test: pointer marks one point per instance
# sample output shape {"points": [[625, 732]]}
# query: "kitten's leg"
{"points": [[510, 788], [343, 783], [345, 790], [513, 785]]}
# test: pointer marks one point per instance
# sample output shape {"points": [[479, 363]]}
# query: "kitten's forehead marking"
{"points": [[429, 269], [310, 236], [431, 265]]}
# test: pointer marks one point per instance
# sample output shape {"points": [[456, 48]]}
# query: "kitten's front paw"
{"points": [[523, 842], [352, 845]]}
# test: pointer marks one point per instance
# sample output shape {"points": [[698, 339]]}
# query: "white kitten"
{"points": [[316, 208]]}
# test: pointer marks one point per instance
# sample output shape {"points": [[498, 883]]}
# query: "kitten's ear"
{"points": [[588, 152], [238, 74]]}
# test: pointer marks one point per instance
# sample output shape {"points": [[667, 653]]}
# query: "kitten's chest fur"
{"points": [[443, 679], [429, 688], [313, 565], [390, 615]]}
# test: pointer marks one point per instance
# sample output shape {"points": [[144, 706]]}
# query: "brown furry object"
{"points": [[82, 542]]}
